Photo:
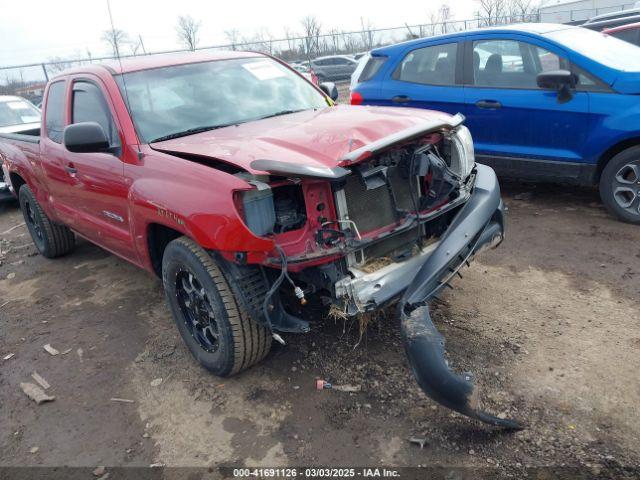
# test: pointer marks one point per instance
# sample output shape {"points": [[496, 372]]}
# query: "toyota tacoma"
{"points": [[235, 180]]}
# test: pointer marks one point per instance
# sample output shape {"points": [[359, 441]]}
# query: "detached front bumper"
{"points": [[478, 225]]}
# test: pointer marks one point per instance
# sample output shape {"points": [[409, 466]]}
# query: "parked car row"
{"points": [[542, 101], [330, 68]]}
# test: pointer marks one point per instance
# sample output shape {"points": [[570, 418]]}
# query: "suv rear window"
{"points": [[372, 67]]}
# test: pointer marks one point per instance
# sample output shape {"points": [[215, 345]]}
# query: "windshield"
{"points": [[17, 112], [184, 99], [604, 49]]}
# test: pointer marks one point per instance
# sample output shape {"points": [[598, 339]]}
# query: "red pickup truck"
{"points": [[237, 182]]}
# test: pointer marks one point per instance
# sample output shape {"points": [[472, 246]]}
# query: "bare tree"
{"points": [[187, 29], [438, 20], [522, 10], [116, 39], [233, 37], [57, 64], [311, 28], [367, 34], [492, 12], [290, 36]]}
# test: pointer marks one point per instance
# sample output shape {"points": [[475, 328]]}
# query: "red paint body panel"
{"points": [[113, 199]]}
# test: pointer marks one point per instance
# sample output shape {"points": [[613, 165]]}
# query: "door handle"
{"points": [[400, 99], [70, 168], [489, 104]]}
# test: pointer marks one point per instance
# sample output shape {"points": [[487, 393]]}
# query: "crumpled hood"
{"points": [[314, 138]]}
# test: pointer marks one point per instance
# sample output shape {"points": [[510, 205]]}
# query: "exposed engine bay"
{"points": [[396, 220]]}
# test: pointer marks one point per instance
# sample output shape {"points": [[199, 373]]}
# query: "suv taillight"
{"points": [[356, 98]]}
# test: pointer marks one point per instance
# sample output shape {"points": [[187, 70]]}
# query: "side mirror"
{"points": [[85, 137], [563, 81], [330, 89]]}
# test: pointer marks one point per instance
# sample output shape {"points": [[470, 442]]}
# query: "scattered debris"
{"points": [[66, 351], [123, 400], [11, 276], [99, 471], [5, 303], [39, 380], [8, 356], [156, 465], [523, 196], [156, 382], [145, 435], [51, 350], [322, 384], [419, 441], [36, 393], [34, 449], [80, 352], [348, 388]]}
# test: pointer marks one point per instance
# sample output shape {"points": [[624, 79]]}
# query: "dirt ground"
{"points": [[548, 322]]}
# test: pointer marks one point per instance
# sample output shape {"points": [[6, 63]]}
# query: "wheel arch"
{"points": [[612, 152], [16, 181], [158, 237]]}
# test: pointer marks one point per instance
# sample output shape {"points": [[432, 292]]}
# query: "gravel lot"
{"points": [[548, 322]]}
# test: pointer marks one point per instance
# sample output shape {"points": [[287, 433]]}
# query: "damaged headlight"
{"points": [[462, 156]]}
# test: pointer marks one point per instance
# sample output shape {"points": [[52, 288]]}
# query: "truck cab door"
{"points": [[97, 188], [519, 128], [53, 155]]}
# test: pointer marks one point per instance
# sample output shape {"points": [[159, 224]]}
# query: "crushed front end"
{"points": [[395, 219]]}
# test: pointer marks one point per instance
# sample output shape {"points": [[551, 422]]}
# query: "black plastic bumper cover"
{"points": [[479, 224]]}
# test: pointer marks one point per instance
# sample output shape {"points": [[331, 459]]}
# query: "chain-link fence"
{"points": [[28, 80]]}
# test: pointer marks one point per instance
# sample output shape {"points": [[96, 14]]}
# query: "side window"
{"points": [[545, 61], [512, 64], [54, 111], [500, 63], [434, 65], [89, 106]]}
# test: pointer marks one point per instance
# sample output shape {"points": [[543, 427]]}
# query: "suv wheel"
{"points": [[51, 240], [620, 185], [218, 332]]}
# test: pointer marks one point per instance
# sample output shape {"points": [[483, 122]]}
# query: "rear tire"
{"points": [[620, 185], [217, 330], [51, 240]]}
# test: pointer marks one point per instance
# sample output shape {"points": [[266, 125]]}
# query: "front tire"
{"points": [[620, 185], [217, 330], [51, 240]]}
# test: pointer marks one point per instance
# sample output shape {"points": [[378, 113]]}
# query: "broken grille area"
{"points": [[371, 209]]}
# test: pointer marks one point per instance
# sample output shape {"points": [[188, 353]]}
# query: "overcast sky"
{"points": [[37, 30]]}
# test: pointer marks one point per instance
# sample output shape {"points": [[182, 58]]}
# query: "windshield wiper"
{"points": [[281, 112], [190, 131]]}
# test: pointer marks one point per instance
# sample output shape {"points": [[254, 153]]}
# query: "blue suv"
{"points": [[542, 101]]}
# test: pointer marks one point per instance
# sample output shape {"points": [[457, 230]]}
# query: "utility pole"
{"points": [[142, 44]]}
